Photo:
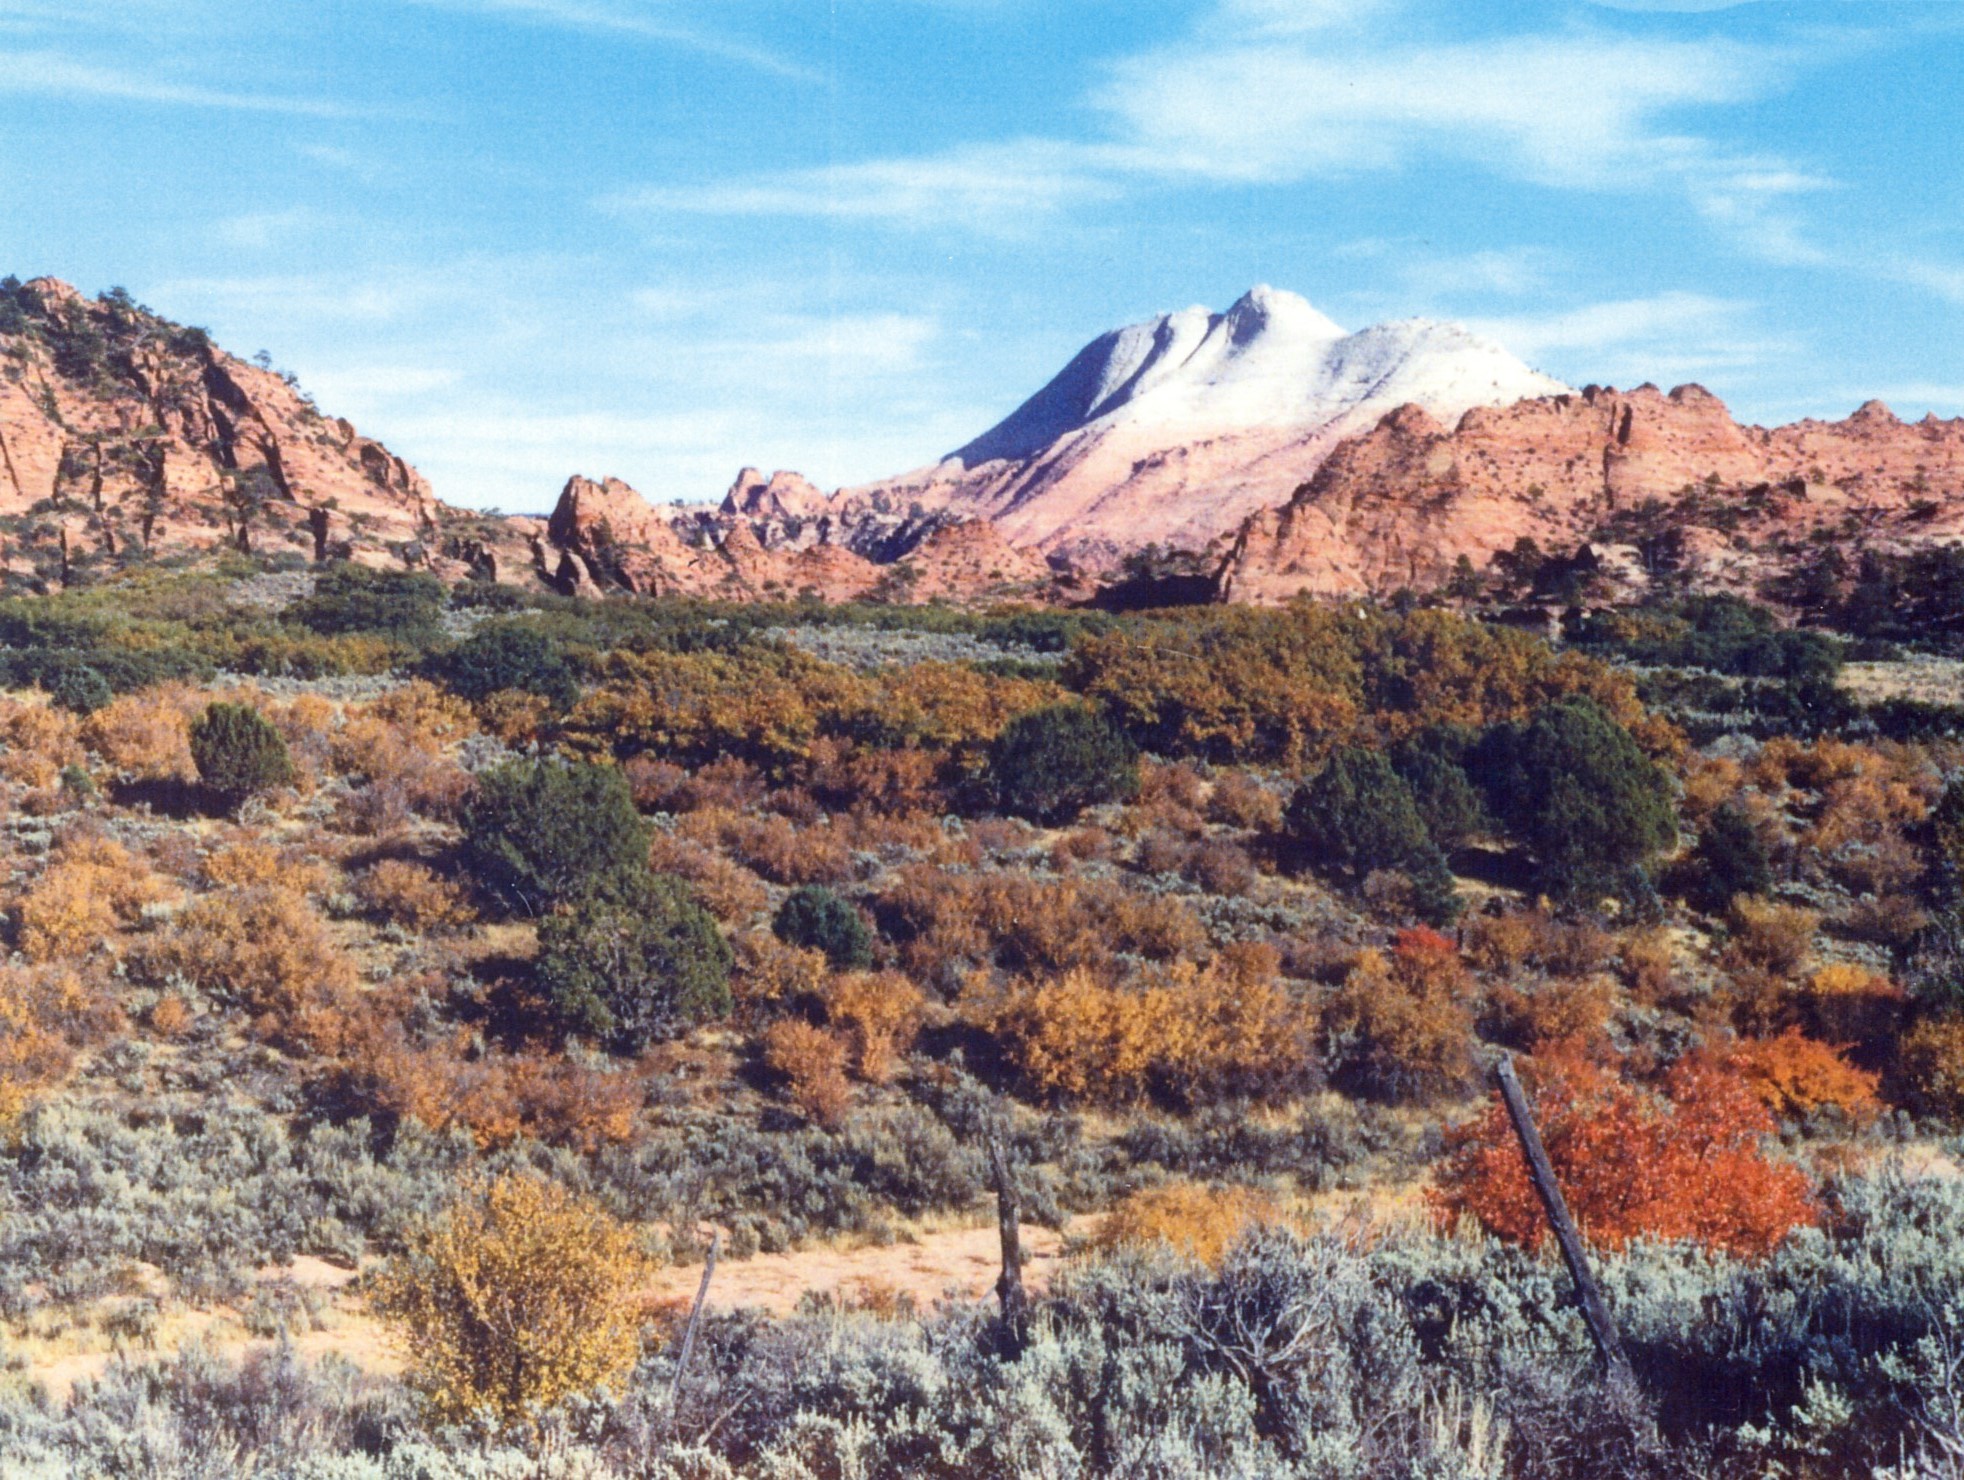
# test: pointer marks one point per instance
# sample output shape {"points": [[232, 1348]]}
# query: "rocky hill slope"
{"points": [[1174, 431], [1403, 504]]}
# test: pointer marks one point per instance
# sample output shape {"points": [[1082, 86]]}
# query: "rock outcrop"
{"points": [[126, 433], [1400, 505]]}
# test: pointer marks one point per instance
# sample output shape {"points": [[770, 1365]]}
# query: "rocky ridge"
{"points": [[1401, 505]]}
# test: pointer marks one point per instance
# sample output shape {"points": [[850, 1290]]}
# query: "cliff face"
{"points": [[1401, 504], [120, 431]]}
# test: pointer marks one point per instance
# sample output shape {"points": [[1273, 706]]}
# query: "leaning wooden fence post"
{"points": [[1595, 1314], [1009, 1285], [695, 1319]]}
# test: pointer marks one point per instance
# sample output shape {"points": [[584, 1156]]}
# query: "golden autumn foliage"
{"points": [[1684, 1165], [40, 1013], [880, 1012], [92, 888], [413, 895], [1401, 1024], [521, 1296], [1770, 937], [812, 1061], [770, 972], [145, 736], [1288, 687], [262, 947], [1794, 1076], [36, 741], [1196, 1222], [1203, 1032], [252, 864], [1933, 1064]]}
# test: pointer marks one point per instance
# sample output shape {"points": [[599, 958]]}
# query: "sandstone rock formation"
{"points": [[1400, 505], [127, 433]]}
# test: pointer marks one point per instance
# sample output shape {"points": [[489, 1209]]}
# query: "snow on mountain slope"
{"points": [[1175, 430]]}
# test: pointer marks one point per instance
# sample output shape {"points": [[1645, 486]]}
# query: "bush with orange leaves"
{"points": [[812, 1061], [1401, 1024], [1204, 1033], [36, 742], [146, 736], [497, 1097], [414, 895], [263, 948], [1684, 1165], [91, 889], [1846, 1003], [1795, 1076], [880, 1012], [252, 864], [1196, 1222], [43, 1017]]}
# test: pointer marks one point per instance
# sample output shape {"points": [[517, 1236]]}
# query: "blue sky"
{"points": [[663, 238]]}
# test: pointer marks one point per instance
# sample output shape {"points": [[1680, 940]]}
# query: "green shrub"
{"points": [[816, 918], [80, 689], [636, 963], [1052, 763], [1357, 815], [403, 605], [238, 753], [1574, 787], [1433, 764], [507, 655], [1730, 860], [537, 832]]}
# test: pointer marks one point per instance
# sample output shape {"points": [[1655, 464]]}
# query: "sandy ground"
{"points": [[944, 1264]]}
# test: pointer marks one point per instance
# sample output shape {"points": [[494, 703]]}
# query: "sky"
{"points": [[662, 239]]}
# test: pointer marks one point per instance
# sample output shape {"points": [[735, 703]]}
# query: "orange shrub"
{"points": [[36, 741], [1239, 800], [1770, 937], [1402, 1025], [728, 891], [91, 889], [1207, 1032], [1793, 1076], [251, 864], [414, 895], [1648, 965], [496, 1097], [1686, 1165], [880, 1012], [144, 736], [1845, 1003], [263, 948], [1538, 1013], [1196, 1222], [771, 973], [786, 854], [517, 718], [812, 1061], [34, 1051]]}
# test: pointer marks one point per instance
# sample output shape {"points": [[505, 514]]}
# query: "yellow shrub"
{"points": [[523, 1295], [33, 1052], [1792, 1076], [1401, 1024], [768, 971], [1769, 937], [1933, 1064], [251, 864], [1199, 1223], [36, 741]]}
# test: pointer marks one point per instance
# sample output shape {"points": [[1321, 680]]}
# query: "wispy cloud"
{"points": [[1663, 336], [53, 74], [638, 22], [1000, 188]]}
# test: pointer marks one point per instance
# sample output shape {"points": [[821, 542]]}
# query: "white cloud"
{"points": [[996, 188], [1664, 337], [51, 74], [637, 22]]}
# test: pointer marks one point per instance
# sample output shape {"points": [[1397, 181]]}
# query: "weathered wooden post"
{"points": [[695, 1319], [1009, 1284], [1595, 1314]]}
